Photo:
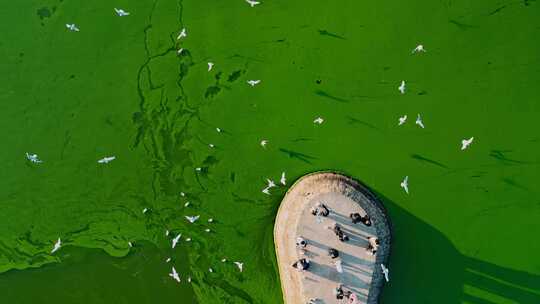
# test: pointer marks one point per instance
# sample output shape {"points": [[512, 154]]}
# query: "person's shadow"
{"points": [[426, 268]]}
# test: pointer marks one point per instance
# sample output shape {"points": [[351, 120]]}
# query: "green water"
{"points": [[467, 233]]}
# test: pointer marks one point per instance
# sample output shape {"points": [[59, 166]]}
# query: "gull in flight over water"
{"points": [[33, 158], [57, 246], [385, 271], [210, 220], [166, 232], [72, 27], [130, 244], [252, 3], [174, 275], [145, 210], [210, 66], [182, 34], [106, 160], [266, 191], [192, 219], [187, 204], [466, 143], [240, 266], [402, 120], [180, 50], [419, 121], [401, 87], [405, 184], [271, 183], [318, 120], [263, 143], [253, 82], [175, 240], [218, 130], [223, 260], [283, 180], [182, 194], [419, 49], [120, 12], [167, 260]]}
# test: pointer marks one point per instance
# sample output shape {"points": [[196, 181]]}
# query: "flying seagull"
{"points": [[266, 191], [405, 184], [218, 130], [180, 50], [283, 181], [120, 12], [210, 220], [145, 210], [182, 194], [175, 240], [253, 82], [167, 260], [166, 232], [318, 120], [402, 120], [223, 260], [271, 183], [174, 275], [33, 158], [385, 272], [72, 27], [240, 266], [192, 219], [419, 49], [57, 246], [182, 34], [401, 87], [187, 204], [263, 143], [466, 143], [211, 145], [419, 121], [106, 160], [210, 66], [252, 3]]}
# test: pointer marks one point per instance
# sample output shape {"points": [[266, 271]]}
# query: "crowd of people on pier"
{"points": [[303, 264]]}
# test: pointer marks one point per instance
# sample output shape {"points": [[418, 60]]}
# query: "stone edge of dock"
{"points": [[378, 214]]}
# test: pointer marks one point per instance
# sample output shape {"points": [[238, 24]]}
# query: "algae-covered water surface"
{"points": [[466, 232]]}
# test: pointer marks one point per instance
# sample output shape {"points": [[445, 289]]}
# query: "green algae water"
{"points": [[466, 233]]}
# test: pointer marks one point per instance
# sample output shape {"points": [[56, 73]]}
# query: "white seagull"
{"points": [[57, 246], [211, 145], [72, 27], [120, 12], [192, 219], [283, 181], [385, 272], [180, 50], [402, 120], [174, 275], [466, 143], [182, 34], [223, 260], [166, 232], [33, 158], [167, 260], [176, 239], [210, 66], [210, 220], [419, 121], [240, 266], [271, 183], [401, 87], [264, 142], [252, 3], [145, 210], [106, 160], [266, 191], [405, 184], [253, 82], [218, 130], [187, 204], [419, 49], [318, 120]]}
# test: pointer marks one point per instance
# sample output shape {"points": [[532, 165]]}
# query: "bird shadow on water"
{"points": [[427, 268]]}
